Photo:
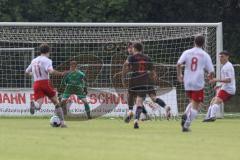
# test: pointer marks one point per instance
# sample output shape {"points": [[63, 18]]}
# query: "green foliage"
{"points": [[129, 11]]}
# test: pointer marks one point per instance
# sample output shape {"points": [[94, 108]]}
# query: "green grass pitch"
{"points": [[106, 139]]}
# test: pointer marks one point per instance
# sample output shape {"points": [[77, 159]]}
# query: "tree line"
{"points": [[226, 11], [159, 11]]}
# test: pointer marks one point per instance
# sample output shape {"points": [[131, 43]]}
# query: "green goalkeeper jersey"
{"points": [[75, 78], [75, 84]]}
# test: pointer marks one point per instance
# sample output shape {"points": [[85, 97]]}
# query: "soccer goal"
{"points": [[100, 50]]}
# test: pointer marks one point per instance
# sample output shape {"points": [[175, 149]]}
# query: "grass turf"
{"points": [[105, 139]]}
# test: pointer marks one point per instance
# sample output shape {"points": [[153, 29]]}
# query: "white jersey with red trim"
{"points": [[196, 61], [227, 71], [40, 67]]}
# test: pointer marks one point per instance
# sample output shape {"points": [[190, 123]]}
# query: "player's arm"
{"points": [[65, 79], [28, 71], [124, 71], [152, 68], [180, 62], [84, 81], [63, 85], [49, 68], [214, 80], [55, 72], [226, 80], [209, 67], [179, 72], [125, 68], [29, 74], [118, 73], [228, 77], [85, 89], [155, 78], [153, 74], [210, 76]]}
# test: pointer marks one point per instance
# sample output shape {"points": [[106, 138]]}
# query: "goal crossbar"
{"points": [[105, 24]]}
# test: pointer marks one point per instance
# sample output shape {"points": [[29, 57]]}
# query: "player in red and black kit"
{"points": [[142, 79], [131, 97]]}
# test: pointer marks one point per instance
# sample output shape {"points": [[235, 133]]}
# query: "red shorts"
{"points": [[196, 95], [43, 88], [223, 95]]}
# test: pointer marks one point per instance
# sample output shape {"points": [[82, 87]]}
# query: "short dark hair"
{"points": [[199, 40], [138, 46], [73, 63], [225, 53], [129, 44], [44, 48]]}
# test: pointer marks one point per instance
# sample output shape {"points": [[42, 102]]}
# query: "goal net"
{"points": [[13, 63], [100, 50]]}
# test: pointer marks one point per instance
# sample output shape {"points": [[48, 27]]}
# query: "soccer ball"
{"points": [[55, 121]]}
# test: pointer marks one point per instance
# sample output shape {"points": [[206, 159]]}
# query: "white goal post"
{"points": [[100, 50]]}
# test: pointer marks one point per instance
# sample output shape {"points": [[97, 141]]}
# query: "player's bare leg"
{"points": [[64, 105], [35, 105], [58, 110], [131, 99]]}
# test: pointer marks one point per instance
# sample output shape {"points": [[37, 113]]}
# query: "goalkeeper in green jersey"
{"points": [[75, 82]]}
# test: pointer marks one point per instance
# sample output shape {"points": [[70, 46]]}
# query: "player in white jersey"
{"points": [[196, 62], [225, 89], [40, 68]]}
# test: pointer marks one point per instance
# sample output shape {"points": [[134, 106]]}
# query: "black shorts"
{"points": [[142, 91], [141, 84]]}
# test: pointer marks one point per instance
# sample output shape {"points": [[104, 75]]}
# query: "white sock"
{"points": [[209, 112], [130, 112], [190, 117], [37, 105], [189, 106], [135, 121], [194, 114], [59, 113], [215, 109]]}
